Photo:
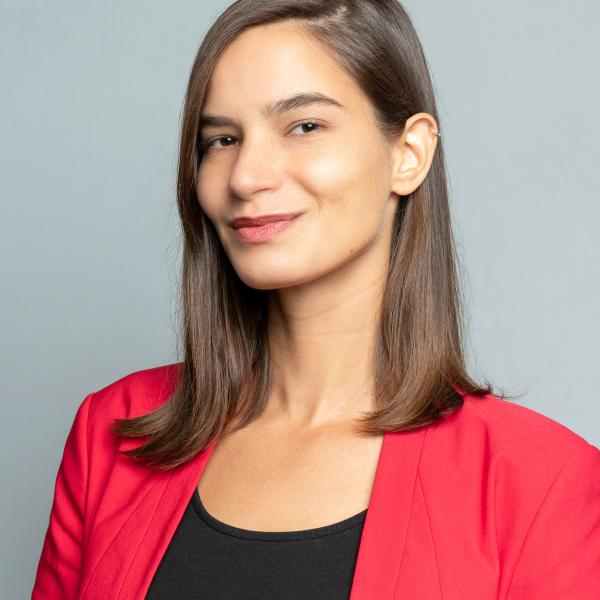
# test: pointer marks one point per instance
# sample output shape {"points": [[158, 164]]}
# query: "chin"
{"points": [[267, 283], [270, 277]]}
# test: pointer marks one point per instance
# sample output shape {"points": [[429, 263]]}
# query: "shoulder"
{"points": [[510, 446], [135, 393], [541, 481], [516, 452], [520, 432], [507, 474]]}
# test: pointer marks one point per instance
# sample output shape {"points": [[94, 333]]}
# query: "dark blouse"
{"points": [[209, 559]]}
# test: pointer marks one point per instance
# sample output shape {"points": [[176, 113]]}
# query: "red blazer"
{"points": [[496, 502]]}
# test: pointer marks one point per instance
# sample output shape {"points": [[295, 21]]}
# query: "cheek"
{"points": [[348, 183], [326, 172], [349, 195]]}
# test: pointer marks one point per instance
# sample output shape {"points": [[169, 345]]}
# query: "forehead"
{"points": [[273, 61]]}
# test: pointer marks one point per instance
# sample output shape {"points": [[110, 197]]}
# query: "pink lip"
{"points": [[264, 232], [262, 220]]}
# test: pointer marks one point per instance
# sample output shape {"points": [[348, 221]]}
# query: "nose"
{"points": [[258, 166]]}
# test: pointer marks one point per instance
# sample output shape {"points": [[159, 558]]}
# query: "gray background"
{"points": [[90, 110]]}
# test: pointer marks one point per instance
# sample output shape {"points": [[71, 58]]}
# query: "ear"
{"points": [[412, 153]]}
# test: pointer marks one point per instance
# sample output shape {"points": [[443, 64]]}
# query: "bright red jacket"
{"points": [[496, 502]]}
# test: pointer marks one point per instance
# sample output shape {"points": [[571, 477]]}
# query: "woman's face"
{"points": [[335, 169]]}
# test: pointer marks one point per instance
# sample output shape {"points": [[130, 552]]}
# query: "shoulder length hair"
{"points": [[224, 378]]}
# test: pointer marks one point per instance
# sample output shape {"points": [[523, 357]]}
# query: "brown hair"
{"points": [[419, 369]]}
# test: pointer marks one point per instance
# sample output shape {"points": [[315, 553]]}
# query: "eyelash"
{"points": [[206, 147]]}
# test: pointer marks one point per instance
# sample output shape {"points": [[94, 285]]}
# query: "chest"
{"points": [[268, 481]]}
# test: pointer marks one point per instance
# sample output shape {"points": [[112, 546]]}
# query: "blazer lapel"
{"points": [[163, 523], [384, 533], [128, 560], [131, 537]]}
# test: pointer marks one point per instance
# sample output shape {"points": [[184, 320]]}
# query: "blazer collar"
{"points": [[129, 563]]}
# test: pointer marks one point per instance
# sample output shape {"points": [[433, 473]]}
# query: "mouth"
{"points": [[262, 220], [265, 230]]}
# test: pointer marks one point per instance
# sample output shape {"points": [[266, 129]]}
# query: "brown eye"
{"points": [[314, 126], [208, 145]]}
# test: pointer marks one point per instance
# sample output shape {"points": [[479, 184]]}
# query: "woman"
{"points": [[321, 437]]}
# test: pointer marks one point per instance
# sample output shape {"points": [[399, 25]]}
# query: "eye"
{"points": [[311, 123], [207, 146]]}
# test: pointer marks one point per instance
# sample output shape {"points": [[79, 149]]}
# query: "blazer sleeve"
{"points": [[560, 556], [59, 565]]}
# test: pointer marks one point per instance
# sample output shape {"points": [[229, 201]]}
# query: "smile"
{"points": [[263, 233]]}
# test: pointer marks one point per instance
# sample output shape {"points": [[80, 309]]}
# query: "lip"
{"points": [[273, 225], [262, 220]]}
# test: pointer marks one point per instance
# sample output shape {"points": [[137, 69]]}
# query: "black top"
{"points": [[209, 559]]}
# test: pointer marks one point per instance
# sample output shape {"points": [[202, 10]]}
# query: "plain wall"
{"points": [[90, 111]]}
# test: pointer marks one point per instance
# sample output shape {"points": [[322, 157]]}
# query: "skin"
{"points": [[327, 270], [301, 464]]}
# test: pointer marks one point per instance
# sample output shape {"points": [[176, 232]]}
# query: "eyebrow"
{"points": [[278, 107]]}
